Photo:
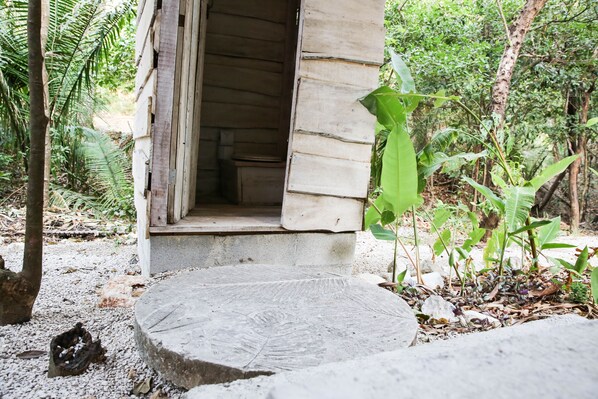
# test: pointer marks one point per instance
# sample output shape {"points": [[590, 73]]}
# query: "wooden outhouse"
{"points": [[250, 143]]}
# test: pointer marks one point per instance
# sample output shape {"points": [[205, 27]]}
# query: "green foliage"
{"points": [[579, 292], [81, 35], [110, 183], [594, 284]]}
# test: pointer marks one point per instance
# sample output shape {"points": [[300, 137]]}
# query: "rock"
{"points": [[438, 309], [371, 278], [433, 280], [231, 322], [472, 315], [122, 291]]}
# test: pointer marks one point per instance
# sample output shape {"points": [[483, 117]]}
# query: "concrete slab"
{"points": [[325, 251], [227, 323], [554, 358]]}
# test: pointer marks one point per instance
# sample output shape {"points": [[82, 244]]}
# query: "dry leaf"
{"points": [[551, 289], [143, 387], [33, 354]]}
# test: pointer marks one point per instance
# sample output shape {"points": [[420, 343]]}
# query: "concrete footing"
{"points": [[324, 251]]}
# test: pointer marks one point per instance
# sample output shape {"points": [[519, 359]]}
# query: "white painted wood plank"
{"points": [[314, 174], [251, 28], [145, 67], [303, 212], [352, 31], [234, 96], [245, 63], [341, 72], [315, 144], [143, 30], [268, 10], [239, 116], [235, 46], [251, 80], [333, 110]]}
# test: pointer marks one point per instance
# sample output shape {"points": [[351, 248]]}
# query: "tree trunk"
{"points": [[517, 32], [48, 141], [577, 142], [19, 291], [502, 85]]}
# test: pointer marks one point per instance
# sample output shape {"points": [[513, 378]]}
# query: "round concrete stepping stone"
{"points": [[226, 323]]}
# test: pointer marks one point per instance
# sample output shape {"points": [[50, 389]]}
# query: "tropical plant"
{"points": [[80, 35]]}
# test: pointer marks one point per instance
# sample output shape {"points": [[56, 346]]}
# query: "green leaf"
{"points": [[474, 237], [488, 193], [387, 217], [531, 226], [592, 122], [399, 172], [551, 171], [594, 284], [473, 218], [439, 102], [582, 261], [403, 72], [443, 240], [440, 217], [388, 109], [549, 232], [373, 216], [518, 205], [401, 276], [498, 181], [381, 233], [557, 245]]}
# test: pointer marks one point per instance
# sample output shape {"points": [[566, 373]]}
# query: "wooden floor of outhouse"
{"points": [[224, 218]]}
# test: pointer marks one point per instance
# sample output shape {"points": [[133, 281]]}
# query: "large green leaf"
{"points": [[582, 261], [402, 70], [549, 232], [443, 240], [519, 202], [440, 217], [388, 109], [488, 193], [474, 237], [381, 233], [551, 171], [594, 284], [399, 171]]}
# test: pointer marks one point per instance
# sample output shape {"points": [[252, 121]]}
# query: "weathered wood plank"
{"points": [[245, 63], [233, 96], [146, 11], [141, 158], [346, 73], [257, 136], [314, 174], [251, 28], [164, 105], [145, 109], [145, 67], [234, 46], [191, 166], [269, 149], [302, 212], [239, 116], [333, 110], [268, 10], [315, 144], [352, 31], [251, 80]]}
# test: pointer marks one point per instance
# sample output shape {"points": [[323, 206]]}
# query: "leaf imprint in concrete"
{"points": [[226, 323]]}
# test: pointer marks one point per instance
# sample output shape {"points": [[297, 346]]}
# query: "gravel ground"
{"points": [[74, 273]]}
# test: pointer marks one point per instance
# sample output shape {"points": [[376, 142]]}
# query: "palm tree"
{"points": [[80, 35]]}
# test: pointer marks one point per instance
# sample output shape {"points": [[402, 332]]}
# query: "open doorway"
{"points": [[246, 101]]}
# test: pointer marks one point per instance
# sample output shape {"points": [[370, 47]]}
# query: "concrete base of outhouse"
{"points": [[322, 251]]}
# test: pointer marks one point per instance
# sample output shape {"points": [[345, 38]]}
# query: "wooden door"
{"points": [[186, 108], [340, 51]]}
